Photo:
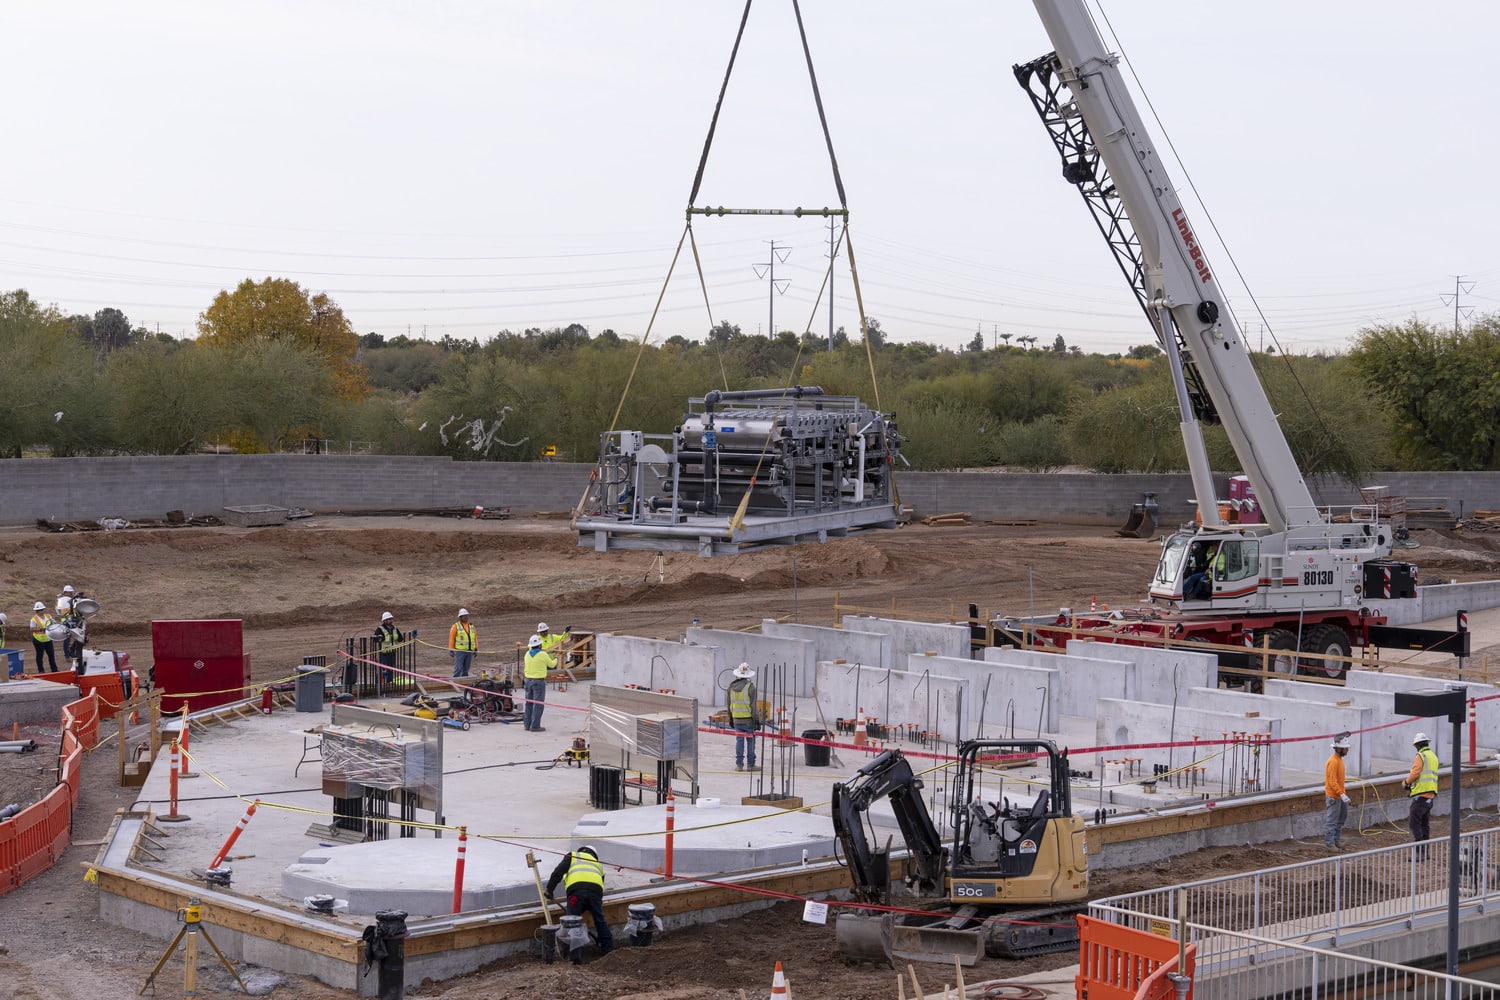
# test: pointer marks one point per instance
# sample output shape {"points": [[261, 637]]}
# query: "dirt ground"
{"points": [[302, 587]]}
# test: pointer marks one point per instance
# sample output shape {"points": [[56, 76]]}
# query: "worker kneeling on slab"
{"points": [[582, 875]]}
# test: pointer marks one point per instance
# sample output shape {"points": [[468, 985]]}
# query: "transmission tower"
{"points": [[1460, 288], [776, 287]]}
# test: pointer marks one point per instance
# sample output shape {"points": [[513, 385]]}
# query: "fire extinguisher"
{"points": [[265, 701]]}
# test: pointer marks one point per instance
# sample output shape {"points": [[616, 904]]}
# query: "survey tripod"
{"points": [[191, 916]]}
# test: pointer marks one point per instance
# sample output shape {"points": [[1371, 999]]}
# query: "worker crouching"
{"points": [[582, 876]]}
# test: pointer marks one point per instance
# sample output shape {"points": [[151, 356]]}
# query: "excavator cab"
{"points": [[1008, 874]]}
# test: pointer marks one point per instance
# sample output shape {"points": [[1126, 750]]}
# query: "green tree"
{"points": [[48, 382], [279, 310], [171, 401], [1439, 387]]}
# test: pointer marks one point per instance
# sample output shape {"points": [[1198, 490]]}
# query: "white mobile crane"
{"points": [[1300, 581]]}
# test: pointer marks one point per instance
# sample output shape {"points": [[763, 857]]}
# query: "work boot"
{"points": [[752, 767], [739, 767], [538, 729]]}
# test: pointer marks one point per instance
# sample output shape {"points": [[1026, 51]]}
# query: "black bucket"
{"points": [[816, 756]]}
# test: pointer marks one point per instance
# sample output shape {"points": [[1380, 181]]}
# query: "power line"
{"points": [[1460, 288]]}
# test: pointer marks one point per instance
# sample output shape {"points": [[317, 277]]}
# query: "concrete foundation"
{"points": [[33, 703], [710, 837]]}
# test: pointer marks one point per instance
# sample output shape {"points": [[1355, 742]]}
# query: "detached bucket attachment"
{"points": [[1142, 521], [862, 937]]}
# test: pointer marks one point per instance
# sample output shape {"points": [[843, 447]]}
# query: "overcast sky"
{"points": [[467, 167]]}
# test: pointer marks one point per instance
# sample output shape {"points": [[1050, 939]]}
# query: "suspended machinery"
{"points": [[744, 469]]}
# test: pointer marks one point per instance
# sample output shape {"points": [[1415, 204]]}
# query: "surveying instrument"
{"points": [[190, 917]]}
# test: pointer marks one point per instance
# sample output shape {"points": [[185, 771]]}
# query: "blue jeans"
{"points": [[744, 746], [591, 902], [535, 691], [462, 658], [1333, 820]]}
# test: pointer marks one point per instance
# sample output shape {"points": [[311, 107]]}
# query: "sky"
{"points": [[462, 168]]}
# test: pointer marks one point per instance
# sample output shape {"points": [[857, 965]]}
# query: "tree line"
{"points": [[273, 365]]}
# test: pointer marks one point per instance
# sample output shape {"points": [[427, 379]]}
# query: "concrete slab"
{"points": [[710, 837], [33, 702], [413, 875]]}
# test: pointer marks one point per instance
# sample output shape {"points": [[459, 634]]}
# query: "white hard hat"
{"points": [[743, 670], [3, 619], [39, 606], [67, 588], [387, 617], [463, 612], [587, 849], [534, 641], [1419, 739], [1341, 742], [541, 626]]}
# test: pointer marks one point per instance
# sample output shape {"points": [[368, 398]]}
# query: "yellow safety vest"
{"points": [[742, 699], [552, 639], [584, 869], [1427, 780], [39, 625], [390, 638], [538, 662], [463, 637]]}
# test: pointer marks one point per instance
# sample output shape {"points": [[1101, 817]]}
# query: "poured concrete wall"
{"points": [[1300, 716], [1440, 730], [1010, 699], [933, 702], [769, 656], [692, 671], [1160, 674], [1434, 603], [1389, 743], [1131, 722], [1081, 680], [870, 648], [915, 637]]}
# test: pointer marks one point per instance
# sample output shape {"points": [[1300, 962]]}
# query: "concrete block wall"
{"points": [[869, 648], [934, 702], [1299, 717], [1160, 674], [1129, 722], [692, 671], [1007, 697], [914, 637], [1081, 680], [1440, 730], [767, 655], [147, 486]]}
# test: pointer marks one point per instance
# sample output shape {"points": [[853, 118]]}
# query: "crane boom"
{"points": [[1113, 157]]}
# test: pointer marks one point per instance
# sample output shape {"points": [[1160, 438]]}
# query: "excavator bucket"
{"points": [[867, 937], [1142, 520]]}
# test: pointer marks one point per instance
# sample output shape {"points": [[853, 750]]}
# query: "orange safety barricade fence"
{"points": [[34, 839], [1116, 963]]}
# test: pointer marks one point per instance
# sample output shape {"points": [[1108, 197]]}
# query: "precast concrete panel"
{"points": [[1487, 713], [938, 638], [1300, 717], [1081, 680], [929, 701], [1129, 723], [1008, 698], [1392, 743], [661, 665], [851, 645], [765, 654], [1159, 673]]}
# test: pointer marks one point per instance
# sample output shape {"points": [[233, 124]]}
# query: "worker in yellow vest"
{"points": [[535, 665], [462, 643], [582, 876], [1422, 786], [41, 640], [744, 716]]}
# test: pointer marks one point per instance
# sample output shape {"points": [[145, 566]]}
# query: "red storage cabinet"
{"points": [[199, 663]]}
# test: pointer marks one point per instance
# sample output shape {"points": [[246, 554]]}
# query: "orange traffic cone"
{"points": [[860, 737], [784, 729], [778, 983]]}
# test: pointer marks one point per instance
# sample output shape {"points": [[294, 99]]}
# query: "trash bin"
{"points": [[15, 665], [816, 756], [310, 689]]}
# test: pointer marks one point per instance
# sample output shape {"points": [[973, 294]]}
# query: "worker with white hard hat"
{"points": [[41, 637], [535, 665], [1335, 796], [1422, 785], [744, 716], [387, 639], [582, 876], [462, 642], [551, 640]]}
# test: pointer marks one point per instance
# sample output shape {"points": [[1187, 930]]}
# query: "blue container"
{"points": [[15, 665]]}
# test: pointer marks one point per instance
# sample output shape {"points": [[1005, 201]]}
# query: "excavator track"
{"points": [[1043, 931]]}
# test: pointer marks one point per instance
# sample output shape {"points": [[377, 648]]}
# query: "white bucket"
{"points": [[707, 803]]}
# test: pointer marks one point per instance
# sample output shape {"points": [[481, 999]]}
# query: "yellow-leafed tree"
{"points": [[279, 310]]}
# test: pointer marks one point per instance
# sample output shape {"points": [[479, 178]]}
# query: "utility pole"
{"points": [[774, 288], [1460, 288], [833, 252]]}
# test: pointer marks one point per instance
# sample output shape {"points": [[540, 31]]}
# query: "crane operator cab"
{"points": [[1207, 569]]}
